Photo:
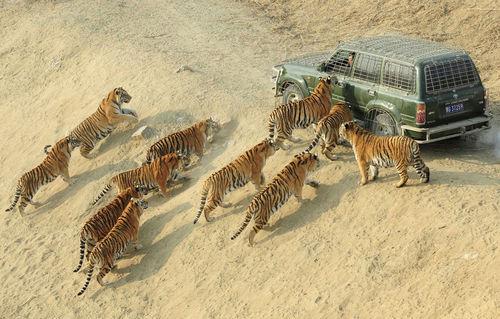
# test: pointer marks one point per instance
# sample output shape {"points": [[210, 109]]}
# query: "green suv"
{"points": [[396, 85]]}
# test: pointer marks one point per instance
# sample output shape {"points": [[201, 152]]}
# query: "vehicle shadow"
{"points": [[327, 196]]}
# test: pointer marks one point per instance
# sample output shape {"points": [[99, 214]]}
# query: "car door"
{"points": [[340, 65], [365, 81]]}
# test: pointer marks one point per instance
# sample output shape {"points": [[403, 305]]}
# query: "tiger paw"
{"points": [[362, 182], [314, 184], [226, 204]]}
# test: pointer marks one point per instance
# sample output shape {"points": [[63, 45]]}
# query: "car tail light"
{"points": [[420, 114]]}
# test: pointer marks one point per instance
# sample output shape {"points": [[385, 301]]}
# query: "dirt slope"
{"points": [[371, 252]]}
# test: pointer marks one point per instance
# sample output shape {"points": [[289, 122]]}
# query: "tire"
{"points": [[292, 93], [382, 123]]}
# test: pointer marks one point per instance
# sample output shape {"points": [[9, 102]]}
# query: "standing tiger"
{"points": [[153, 175], [372, 151], [238, 173], [103, 121], [300, 114], [289, 181], [187, 141], [111, 247], [328, 129], [99, 225], [56, 163]]}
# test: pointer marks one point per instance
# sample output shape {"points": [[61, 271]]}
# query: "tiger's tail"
{"points": [[272, 126], [101, 195], [16, 199], [87, 280], [422, 170], [204, 194], [82, 254], [313, 143], [247, 220], [46, 149]]}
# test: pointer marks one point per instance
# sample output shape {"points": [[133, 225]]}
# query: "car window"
{"points": [[340, 63], [367, 67], [449, 74], [399, 76]]}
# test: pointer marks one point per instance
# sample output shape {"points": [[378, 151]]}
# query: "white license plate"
{"points": [[455, 108]]}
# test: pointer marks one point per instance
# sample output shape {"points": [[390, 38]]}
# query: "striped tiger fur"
{"points": [[187, 141], [328, 129], [99, 225], [372, 151], [247, 167], [56, 163], [289, 181], [153, 175], [300, 114], [103, 121], [111, 247]]}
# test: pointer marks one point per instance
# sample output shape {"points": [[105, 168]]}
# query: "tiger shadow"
{"points": [[79, 181], [327, 196], [154, 254]]}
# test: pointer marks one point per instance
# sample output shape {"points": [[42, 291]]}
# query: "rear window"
{"points": [[399, 76], [449, 74], [367, 67]]}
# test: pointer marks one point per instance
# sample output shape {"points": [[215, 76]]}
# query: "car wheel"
{"points": [[292, 93], [382, 123]]}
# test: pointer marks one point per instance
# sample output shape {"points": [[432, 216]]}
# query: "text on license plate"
{"points": [[455, 108]]}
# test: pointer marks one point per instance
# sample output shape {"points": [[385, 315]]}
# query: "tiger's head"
{"points": [[310, 160], [269, 147], [120, 95], [348, 129], [72, 143], [139, 190], [212, 126], [141, 203], [184, 160]]}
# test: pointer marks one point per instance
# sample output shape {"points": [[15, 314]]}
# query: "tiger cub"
{"points": [[328, 129], [372, 151], [187, 141], [55, 163], [103, 121], [300, 114], [99, 225], [288, 182], [153, 175], [247, 167], [111, 247]]}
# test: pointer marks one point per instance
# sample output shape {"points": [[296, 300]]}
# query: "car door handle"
{"points": [[371, 92]]}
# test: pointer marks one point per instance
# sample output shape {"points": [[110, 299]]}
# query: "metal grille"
{"points": [[367, 67], [338, 64], [449, 74], [399, 76]]}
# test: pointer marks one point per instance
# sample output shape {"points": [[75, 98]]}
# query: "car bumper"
{"points": [[443, 132]]}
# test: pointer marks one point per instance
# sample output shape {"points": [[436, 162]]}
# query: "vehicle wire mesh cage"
{"points": [[449, 74], [367, 67], [339, 63], [399, 76]]}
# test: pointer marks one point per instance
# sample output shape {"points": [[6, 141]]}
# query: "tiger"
{"points": [[187, 141], [103, 121], [372, 151], [247, 167], [55, 164], [300, 114], [153, 175], [289, 181], [113, 245], [327, 129], [99, 225]]}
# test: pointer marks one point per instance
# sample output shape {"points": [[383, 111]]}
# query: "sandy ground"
{"points": [[424, 251]]}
